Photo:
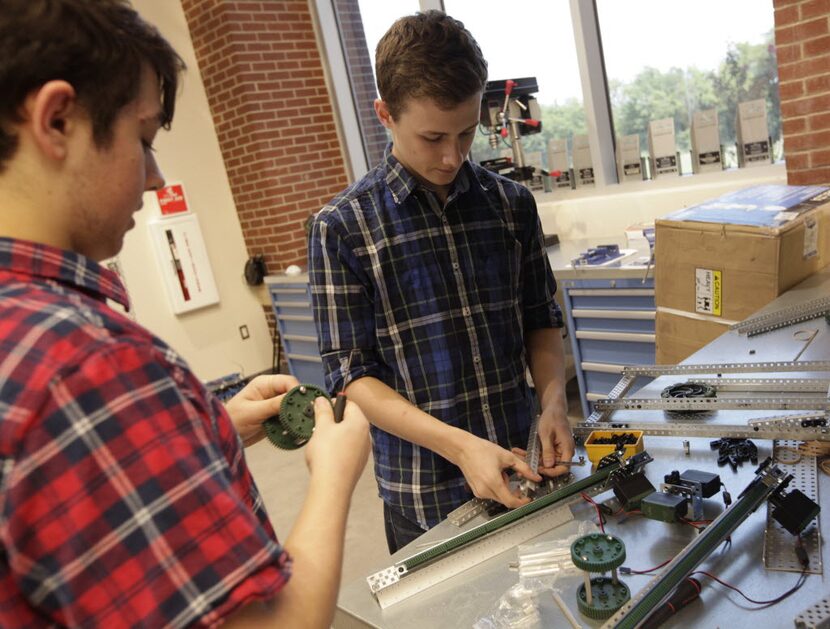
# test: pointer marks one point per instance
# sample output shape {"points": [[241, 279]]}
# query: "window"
{"points": [[669, 60], [502, 35]]}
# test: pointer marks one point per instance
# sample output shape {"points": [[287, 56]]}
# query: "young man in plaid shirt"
{"points": [[432, 293], [124, 495]]}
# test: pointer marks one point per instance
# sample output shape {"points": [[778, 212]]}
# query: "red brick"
{"points": [[788, 54], [820, 46], [817, 122], [816, 104], [808, 141], [786, 15], [792, 126], [813, 67], [819, 158], [791, 90], [814, 8], [796, 161], [820, 176]]}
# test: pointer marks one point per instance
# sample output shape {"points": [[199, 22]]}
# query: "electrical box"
{"points": [[583, 165], [706, 153], [753, 133], [629, 166], [664, 507], [662, 147], [709, 482]]}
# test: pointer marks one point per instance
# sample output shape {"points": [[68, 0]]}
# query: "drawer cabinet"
{"points": [[291, 301], [610, 324]]}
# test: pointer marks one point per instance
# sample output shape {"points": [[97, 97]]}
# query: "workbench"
{"points": [[460, 600]]}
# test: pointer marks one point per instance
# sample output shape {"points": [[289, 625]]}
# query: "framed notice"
{"points": [[183, 262]]}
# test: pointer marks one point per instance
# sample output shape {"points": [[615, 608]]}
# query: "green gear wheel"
{"points": [[598, 552], [280, 437], [293, 427], [297, 410], [607, 598]]}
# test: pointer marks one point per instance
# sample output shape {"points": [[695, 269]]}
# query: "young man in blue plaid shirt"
{"points": [[432, 294]]}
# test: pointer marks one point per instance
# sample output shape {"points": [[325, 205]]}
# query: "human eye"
{"points": [[430, 138]]}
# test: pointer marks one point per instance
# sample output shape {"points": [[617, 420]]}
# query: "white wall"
{"points": [[606, 212], [208, 339]]}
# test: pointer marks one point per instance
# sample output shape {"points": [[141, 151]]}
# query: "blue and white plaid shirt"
{"points": [[435, 302]]}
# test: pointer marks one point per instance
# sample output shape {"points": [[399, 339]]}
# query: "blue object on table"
{"points": [[600, 254]]}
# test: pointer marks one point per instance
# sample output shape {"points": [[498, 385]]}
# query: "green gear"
{"points": [[297, 410], [293, 427], [280, 437], [598, 552], [607, 598]]}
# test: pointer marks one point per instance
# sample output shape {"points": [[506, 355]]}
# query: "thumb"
{"points": [[323, 411]]}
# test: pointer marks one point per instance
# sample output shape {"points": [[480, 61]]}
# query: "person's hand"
{"points": [[338, 452], [483, 464], [259, 400], [557, 443]]}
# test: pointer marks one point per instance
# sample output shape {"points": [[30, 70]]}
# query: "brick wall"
{"points": [[264, 81], [802, 38]]}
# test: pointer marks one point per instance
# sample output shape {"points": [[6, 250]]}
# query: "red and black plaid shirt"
{"points": [[124, 495]]}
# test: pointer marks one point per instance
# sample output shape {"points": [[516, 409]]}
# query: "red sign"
{"points": [[172, 200]]}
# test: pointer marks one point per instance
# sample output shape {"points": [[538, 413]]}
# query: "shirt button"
{"points": [[485, 406], [455, 265], [465, 312], [476, 359]]}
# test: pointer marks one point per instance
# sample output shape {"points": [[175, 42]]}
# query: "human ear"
{"points": [[50, 113], [382, 112]]}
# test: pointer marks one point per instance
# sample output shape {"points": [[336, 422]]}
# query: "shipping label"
{"points": [[810, 237], [708, 292]]}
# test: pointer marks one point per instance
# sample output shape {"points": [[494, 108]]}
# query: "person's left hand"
{"points": [[259, 400], [557, 444]]}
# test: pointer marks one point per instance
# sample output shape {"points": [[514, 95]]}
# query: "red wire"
{"points": [[651, 569], [588, 499], [751, 600]]}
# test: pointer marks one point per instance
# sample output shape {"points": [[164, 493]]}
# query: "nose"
{"points": [[453, 155], [154, 176]]}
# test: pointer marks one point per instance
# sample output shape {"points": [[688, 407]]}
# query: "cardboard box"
{"points": [[730, 256], [628, 158], [705, 134], [752, 133], [583, 166], [680, 334], [662, 148]]}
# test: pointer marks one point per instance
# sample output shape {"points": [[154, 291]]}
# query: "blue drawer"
{"points": [[302, 347], [617, 352], [307, 372], [282, 294], [613, 302], [614, 325]]}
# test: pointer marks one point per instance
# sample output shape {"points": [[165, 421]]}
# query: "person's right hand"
{"points": [[338, 452], [483, 464]]}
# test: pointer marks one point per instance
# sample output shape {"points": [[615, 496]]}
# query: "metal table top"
{"points": [[462, 599]]}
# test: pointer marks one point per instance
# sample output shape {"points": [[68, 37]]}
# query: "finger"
{"points": [[323, 411], [510, 500], [522, 454], [548, 452], [274, 384], [522, 468]]}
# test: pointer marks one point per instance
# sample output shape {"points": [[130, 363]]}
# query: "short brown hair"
{"points": [[430, 55], [97, 46]]}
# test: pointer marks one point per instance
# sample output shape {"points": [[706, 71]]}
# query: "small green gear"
{"points": [[598, 552], [607, 597], [293, 427]]}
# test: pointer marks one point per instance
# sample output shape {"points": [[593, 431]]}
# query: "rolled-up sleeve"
{"points": [[343, 303], [538, 284]]}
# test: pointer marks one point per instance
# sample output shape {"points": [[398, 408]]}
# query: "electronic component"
{"points": [[630, 490], [794, 511], [292, 428], [709, 482], [664, 507]]}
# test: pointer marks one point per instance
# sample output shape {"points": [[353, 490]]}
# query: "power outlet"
{"points": [[243, 332]]}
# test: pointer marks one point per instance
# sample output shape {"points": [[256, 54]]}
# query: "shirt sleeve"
{"points": [[129, 502], [538, 283], [343, 305]]}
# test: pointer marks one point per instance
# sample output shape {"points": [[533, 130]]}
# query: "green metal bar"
{"points": [[454, 543], [700, 548]]}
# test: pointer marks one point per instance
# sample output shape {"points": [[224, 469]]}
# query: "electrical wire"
{"points": [[802, 578], [590, 500]]}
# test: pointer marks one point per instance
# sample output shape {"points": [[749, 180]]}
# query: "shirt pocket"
{"points": [[497, 273]]}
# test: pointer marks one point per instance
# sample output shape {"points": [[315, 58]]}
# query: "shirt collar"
{"points": [[66, 267], [402, 183]]}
